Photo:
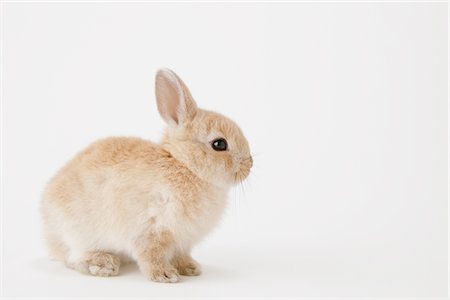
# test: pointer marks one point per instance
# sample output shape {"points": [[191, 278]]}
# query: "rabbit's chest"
{"points": [[197, 221], [188, 218]]}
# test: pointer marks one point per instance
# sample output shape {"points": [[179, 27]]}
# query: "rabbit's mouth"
{"points": [[244, 169]]}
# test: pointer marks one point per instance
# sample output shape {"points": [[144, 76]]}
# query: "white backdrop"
{"points": [[344, 104]]}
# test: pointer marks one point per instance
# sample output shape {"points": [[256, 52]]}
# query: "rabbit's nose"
{"points": [[247, 162]]}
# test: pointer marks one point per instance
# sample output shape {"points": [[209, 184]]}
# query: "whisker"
{"points": [[244, 191], [237, 202]]}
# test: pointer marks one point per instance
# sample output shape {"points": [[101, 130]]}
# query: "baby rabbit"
{"points": [[130, 199]]}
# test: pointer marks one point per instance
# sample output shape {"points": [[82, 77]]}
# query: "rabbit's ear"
{"points": [[175, 103]]}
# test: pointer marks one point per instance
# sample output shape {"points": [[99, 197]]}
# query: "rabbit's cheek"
{"points": [[229, 164]]}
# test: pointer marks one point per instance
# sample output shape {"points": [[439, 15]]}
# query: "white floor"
{"points": [[239, 268]]}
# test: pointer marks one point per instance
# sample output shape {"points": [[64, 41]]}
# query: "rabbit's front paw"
{"points": [[166, 275], [189, 268], [186, 265]]}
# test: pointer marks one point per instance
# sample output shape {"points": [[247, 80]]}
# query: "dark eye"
{"points": [[219, 145]]}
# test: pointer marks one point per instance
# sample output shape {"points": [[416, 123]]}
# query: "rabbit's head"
{"points": [[211, 145]]}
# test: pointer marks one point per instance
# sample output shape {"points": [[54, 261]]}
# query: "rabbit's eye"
{"points": [[219, 145]]}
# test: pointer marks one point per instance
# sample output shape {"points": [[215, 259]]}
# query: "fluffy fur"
{"points": [[130, 199]]}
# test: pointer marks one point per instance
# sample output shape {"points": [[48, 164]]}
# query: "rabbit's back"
{"points": [[103, 165]]}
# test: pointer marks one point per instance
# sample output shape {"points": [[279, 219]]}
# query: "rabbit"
{"points": [[128, 199]]}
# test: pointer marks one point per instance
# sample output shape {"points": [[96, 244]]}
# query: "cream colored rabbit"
{"points": [[131, 199]]}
